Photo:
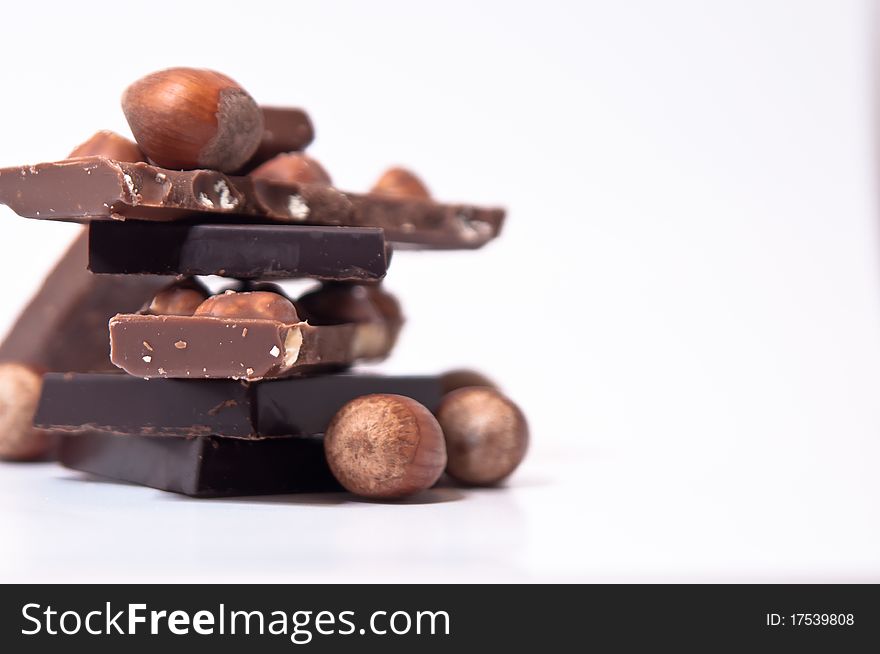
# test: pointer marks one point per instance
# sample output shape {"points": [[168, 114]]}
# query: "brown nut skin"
{"points": [[338, 303], [292, 168], [19, 393], [385, 447], [111, 145], [185, 118], [180, 298], [455, 379], [376, 313], [486, 435], [401, 183], [249, 304]]}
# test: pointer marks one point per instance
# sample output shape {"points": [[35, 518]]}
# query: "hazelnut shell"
{"points": [[385, 447], [486, 435], [186, 118]]}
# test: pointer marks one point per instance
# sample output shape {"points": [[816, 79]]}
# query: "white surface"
{"points": [[706, 406]]}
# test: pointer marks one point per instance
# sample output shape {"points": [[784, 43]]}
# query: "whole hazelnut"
{"points": [[292, 168], [486, 435], [337, 303], [455, 379], [385, 447], [250, 304], [178, 299], [189, 118], [19, 393], [401, 183], [111, 145]]}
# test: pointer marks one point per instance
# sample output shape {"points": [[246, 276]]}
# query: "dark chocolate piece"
{"points": [[193, 347], [204, 466], [285, 129], [239, 251], [65, 325], [94, 188], [295, 406]]}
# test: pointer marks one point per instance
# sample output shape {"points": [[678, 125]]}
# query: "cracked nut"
{"points": [[292, 168], [249, 304], [19, 393], [486, 435], [401, 183], [186, 118], [111, 145], [385, 447]]}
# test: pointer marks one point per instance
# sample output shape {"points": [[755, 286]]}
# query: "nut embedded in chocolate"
{"points": [[385, 447], [19, 394], [249, 304], [486, 435], [180, 298], [111, 145], [334, 304], [401, 183], [375, 312], [292, 168], [188, 118]]}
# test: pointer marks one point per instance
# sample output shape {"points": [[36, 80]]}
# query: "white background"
{"points": [[685, 301]]}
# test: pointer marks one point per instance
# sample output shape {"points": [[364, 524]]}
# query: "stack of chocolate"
{"points": [[244, 390]]}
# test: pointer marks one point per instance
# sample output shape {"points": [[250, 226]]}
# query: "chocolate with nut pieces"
{"points": [[95, 188], [236, 335]]}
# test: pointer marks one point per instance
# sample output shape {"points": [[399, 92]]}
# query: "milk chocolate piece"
{"points": [[296, 406], [64, 327], [193, 347], [94, 188], [285, 129], [204, 466], [428, 224], [239, 251]]}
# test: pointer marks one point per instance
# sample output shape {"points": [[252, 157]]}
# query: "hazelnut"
{"points": [[189, 118], [376, 313], [111, 145], [486, 435], [401, 183], [179, 299], [19, 393], [455, 379], [250, 304], [338, 303], [385, 303], [385, 447], [292, 168]]}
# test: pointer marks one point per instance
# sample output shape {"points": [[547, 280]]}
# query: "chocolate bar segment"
{"points": [[296, 406], [423, 223], [95, 188], [239, 251], [64, 327], [193, 347], [204, 466], [91, 189], [285, 129]]}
